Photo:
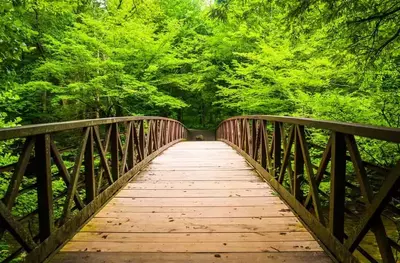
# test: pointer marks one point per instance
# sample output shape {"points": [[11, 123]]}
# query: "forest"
{"points": [[198, 61]]}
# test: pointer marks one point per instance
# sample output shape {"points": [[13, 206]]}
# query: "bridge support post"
{"points": [[44, 186]]}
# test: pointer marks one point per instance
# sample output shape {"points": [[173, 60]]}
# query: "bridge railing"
{"points": [[65, 172], [341, 179]]}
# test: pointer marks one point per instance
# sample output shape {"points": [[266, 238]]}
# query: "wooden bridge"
{"points": [[132, 189]]}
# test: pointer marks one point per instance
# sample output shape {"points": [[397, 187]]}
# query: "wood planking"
{"points": [[124, 257], [197, 202]]}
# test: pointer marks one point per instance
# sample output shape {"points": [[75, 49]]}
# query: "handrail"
{"points": [[106, 154], [281, 150], [36, 129], [369, 131]]}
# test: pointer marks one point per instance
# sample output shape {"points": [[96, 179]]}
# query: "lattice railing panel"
{"points": [[341, 179], [64, 172]]}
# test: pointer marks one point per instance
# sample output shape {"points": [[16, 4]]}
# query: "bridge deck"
{"points": [[197, 202]]}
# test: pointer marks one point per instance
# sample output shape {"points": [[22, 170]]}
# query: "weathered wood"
{"points": [[44, 186], [67, 230], [193, 237], [378, 228], [209, 247], [115, 148], [203, 201], [103, 159], [74, 178], [120, 257], [277, 148], [125, 151], [326, 155], [184, 193], [391, 183], [47, 128], [286, 165], [159, 212], [16, 179], [338, 183], [131, 146], [90, 182], [58, 161], [369, 131], [41, 167], [298, 168], [341, 251], [310, 173]]}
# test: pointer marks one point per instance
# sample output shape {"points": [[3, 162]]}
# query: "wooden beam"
{"points": [[90, 182], [338, 183], [44, 186]]}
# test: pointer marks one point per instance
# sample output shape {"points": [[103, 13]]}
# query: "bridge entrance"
{"points": [[196, 202]]}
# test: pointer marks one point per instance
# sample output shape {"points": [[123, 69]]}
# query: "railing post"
{"points": [[338, 181], [253, 137], [115, 151], [166, 132], [141, 140], [44, 185], [90, 184], [298, 165], [277, 148], [131, 145], [264, 145]]}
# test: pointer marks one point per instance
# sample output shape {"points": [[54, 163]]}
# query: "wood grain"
{"points": [[197, 202]]}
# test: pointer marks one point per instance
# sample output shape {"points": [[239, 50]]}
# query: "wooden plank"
{"points": [[196, 168], [197, 178], [268, 210], [197, 173], [205, 201], [193, 237], [274, 246], [120, 257], [220, 225], [196, 193], [198, 185], [204, 211]]}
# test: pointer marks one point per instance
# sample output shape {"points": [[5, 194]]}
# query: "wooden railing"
{"points": [[341, 179], [66, 171]]}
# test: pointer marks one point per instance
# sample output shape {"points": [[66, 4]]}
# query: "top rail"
{"points": [[36, 129], [370, 131]]}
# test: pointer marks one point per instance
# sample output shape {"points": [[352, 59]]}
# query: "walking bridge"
{"points": [[132, 189]]}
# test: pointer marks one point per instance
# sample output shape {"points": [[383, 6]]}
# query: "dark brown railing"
{"points": [[66, 171], [341, 179]]}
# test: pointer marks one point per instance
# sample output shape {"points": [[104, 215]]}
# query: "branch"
{"points": [[396, 35], [379, 16]]}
